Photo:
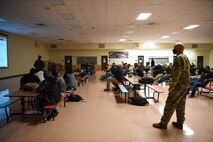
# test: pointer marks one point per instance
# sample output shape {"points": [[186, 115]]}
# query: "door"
{"points": [[104, 62], [141, 60], [199, 60], [68, 62]]}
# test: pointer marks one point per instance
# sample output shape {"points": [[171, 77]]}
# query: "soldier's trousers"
{"points": [[111, 80], [176, 100]]}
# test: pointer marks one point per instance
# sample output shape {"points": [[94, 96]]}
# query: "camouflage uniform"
{"points": [[180, 82]]}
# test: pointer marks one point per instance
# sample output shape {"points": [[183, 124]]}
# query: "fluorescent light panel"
{"points": [[191, 27], [122, 39], [165, 37], [144, 16]]}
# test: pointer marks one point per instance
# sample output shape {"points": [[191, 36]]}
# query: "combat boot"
{"points": [[160, 125], [177, 125]]}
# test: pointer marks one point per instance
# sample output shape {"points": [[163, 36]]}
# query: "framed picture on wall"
{"points": [[118, 55]]}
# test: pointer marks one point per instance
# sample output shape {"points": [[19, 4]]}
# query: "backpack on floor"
{"points": [[74, 98], [146, 80], [138, 101]]}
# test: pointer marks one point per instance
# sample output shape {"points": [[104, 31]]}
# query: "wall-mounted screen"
{"points": [[3, 52], [86, 59]]}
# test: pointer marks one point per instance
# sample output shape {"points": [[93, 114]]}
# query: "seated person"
{"points": [[92, 68], [166, 76], [129, 69], [49, 93], [202, 82], [29, 81], [192, 70], [139, 71], [118, 77], [40, 75], [108, 72], [158, 76], [108, 68], [60, 80], [147, 67], [157, 69], [70, 80], [105, 76], [200, 69]]}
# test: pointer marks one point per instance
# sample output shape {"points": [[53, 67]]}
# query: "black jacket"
{"points": [[49, 91]]}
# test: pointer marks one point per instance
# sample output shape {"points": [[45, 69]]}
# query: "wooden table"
{"points": [[23, 94], [133, 79]]}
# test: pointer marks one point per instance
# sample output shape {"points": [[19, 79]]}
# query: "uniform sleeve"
{"points": [[176, 72]]}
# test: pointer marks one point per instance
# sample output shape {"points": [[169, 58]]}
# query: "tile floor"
{"points": [[104, 118]]}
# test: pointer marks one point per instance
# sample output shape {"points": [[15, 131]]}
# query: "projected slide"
{"points": [[3, 52]]}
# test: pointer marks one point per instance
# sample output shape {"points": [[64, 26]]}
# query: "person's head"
{"points": [[39, 57], [178, 48], [113, 64], [207, 69], [32, 71], [55, 73]]}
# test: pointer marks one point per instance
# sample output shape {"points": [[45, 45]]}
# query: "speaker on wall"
{"points": [[53, 45]]}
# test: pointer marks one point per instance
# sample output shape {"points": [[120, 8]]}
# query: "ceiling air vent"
{"points": [[53, 45]]}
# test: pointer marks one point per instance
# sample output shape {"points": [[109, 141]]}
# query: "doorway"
{"points": [[104, 62], [141, 60], [200, 60], [68, 62]]}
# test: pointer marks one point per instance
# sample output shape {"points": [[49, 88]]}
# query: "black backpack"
{"points": [[74, 98], [138, 101]]}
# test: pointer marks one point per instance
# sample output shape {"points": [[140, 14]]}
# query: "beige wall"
{"points": [[211, 58], [57, 56], [125, 46], [22, 54]]}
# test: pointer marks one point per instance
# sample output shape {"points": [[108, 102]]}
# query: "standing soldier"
{"points": [[39, 64], [177, 91]]}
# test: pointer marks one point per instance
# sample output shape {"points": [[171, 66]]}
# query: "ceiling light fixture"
{"points": [[165, 37], [191, 27], [122, 39], [143, 16]]}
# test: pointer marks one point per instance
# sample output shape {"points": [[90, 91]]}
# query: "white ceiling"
{"points": [[107, 21]]}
